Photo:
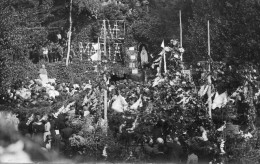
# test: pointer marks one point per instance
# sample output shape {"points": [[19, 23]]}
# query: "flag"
{"points": [[220, 100], [95, 46], [96, 56], [162, 45]]}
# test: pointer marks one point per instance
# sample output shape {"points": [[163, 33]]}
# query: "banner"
{"points": [[114, 51]]}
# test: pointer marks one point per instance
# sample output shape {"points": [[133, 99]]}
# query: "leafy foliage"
{"points": [[232, 29]]}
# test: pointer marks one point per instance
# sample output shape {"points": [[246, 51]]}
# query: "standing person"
{"points": [[174, 149], [81, 50], [72, 52], [29, 123], [23, 127], [158, 130], [43, 75], [47, 128], [56, 143], [48, 143], [66, 133], [52, 125], [38, 130], [45, 53], [197, 73]]}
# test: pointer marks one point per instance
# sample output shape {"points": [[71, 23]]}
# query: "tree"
{"points": [[233, 26], [20, 31]]}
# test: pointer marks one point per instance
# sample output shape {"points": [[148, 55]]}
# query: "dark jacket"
{"points": [[173, 152], [23, 128], [157, 152], [66, 133]]}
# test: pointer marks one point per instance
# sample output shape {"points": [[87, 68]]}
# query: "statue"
{"points": [[144, 56], [43, 75]]}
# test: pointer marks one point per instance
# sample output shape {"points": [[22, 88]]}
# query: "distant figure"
{"points": [[43, 75], [38, 130], [80, 50], [45, 53], [59, 36]]}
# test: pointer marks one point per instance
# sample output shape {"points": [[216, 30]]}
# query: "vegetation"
{"points": [[28, 24]]}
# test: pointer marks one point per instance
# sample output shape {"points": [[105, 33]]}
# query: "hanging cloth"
{"points": [[119, 105], [137, 104], [220, 100]]}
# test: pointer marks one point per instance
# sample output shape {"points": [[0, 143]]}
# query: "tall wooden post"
{"points": [[208, 40], [99, 51], [209, 77], [105, 106], [181, 34], [69, 35], [164, 59], [105, 91], [105, 37]]}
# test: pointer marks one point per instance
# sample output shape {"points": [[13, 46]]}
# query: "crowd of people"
{"points": [[129, 105], [53, 51], [52, 130]]}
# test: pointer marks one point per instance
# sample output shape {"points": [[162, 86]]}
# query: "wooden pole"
{"points": [[180, 29], [105, 38], [99, 52], [69, 35], [105, 107], [209, 77], [164, 58], [124, 29], [105, 91], [208, 40], [181, 34]]}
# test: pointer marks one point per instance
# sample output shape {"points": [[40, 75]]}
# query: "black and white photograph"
{"points": [[130, 81]]}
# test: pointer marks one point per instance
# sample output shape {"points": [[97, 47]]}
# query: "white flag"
{"points": [[95, 46], [162, 45], [95, 57], [220, 100]]}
